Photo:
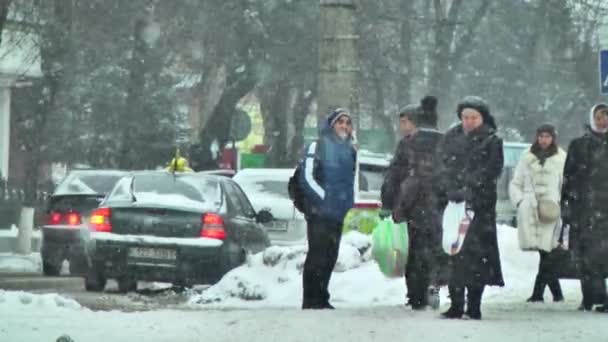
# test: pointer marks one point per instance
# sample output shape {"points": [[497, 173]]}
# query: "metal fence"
{"points": [[13, 198]]}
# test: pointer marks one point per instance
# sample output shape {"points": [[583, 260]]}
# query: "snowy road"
{"points": [[502, 322], [260, 300]]}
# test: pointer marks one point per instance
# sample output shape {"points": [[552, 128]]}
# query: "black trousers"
{"points": [[547, 275], [473, 293], [323, 246], [420, 268]]}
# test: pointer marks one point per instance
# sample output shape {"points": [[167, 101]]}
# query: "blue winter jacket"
{"points": [[328, 176]]}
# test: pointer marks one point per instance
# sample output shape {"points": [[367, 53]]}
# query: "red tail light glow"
{"points": [[368, 205], [71, 218], [213, 227], [100, 220], [53, 218]]}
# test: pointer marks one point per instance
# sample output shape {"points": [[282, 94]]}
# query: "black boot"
{"points": [[537, 292], [556, 290], [474, 294], [585, 306], [456, 309]]}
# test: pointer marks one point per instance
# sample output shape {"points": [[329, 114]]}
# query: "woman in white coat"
{"points": [[539, 176]]}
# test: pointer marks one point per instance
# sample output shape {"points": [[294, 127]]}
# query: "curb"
{"points": [[29, 281]]}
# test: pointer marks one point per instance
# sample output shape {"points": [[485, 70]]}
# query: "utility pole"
{"points": [[338, 79]]}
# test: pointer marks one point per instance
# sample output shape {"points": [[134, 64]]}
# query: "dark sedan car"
{"points": [[66, 229], [183, 228]]}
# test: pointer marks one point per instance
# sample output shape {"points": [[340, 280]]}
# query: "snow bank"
{"points": [[16, 263], [19, 300], [274, 277]]}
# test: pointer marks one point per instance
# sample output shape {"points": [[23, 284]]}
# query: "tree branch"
{"points": [[4, 4], [466, 40]]}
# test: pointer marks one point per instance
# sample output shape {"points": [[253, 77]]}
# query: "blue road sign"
{"points": [[604, 72]]}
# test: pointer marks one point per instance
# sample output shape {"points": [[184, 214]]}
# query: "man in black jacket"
{"points": [[408, 192]]}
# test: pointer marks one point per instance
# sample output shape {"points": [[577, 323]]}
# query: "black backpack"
{"points": [[296, 194]]}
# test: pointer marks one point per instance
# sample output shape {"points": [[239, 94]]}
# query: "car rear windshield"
{"points": [[265, 186], [169, 190], [88, 183]]}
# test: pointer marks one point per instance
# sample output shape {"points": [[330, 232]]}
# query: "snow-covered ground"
{"points": [[260, 302], [15, 263]]}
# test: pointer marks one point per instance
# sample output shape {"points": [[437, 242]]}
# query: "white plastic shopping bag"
{"points": [[456, 220]]}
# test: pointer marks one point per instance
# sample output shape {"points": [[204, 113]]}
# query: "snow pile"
{"points": [[274, 278], [17, 263], [19, 301]]}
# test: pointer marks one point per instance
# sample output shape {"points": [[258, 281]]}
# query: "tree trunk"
{"points": [[449, 52], [404, 87], [128, 156], [4, 5], [217, 127], [276, 107], [55, 52], [301, 109], [380, 109]]}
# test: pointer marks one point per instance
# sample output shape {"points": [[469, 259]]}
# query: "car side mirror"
{"points": [[264, 216]]}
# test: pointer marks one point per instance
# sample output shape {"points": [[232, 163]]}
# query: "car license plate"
{"points": [[278, 225], [152, 253]]}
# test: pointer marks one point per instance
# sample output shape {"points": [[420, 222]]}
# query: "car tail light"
{"points": [[53, 218], [71, 218], [213, 227], [100, 220], [368, 205]]}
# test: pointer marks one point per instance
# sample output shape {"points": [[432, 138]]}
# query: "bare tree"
{"points": [[4, 7], [454, 36]]}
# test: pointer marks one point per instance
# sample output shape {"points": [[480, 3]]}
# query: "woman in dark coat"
{"points": [[472, 159], [585, 206]]}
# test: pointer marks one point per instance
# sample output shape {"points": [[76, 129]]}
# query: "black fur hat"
{"points": [[424, 114], [480, 105]]}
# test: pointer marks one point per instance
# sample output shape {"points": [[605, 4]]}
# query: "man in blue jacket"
{"points": [[327, 182]]}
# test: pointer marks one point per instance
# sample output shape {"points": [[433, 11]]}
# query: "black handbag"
{"points": [[565, 262]]}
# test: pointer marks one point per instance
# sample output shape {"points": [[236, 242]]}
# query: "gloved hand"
{"points": [[459, 195], [384, 213]]}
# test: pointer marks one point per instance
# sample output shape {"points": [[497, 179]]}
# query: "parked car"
{"points": [[506, 213], [371, 168], [66, 230], [267, 189], [182, 228]]}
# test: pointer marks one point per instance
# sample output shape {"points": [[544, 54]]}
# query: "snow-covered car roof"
{"points": [[284, 173], [267, 189]]}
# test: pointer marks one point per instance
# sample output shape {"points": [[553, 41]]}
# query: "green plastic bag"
{"points": [[390, 247], [363, 220]]}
